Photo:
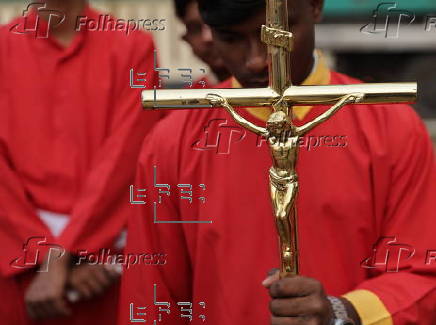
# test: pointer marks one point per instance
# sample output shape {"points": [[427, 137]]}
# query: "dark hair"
{"points": [[181, 7], [217, 13]]}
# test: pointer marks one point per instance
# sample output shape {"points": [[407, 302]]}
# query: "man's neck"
{"points": [[310, 69], [64, 33]]}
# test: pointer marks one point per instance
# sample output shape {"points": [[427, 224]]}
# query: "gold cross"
{"points": [[281, 95]]}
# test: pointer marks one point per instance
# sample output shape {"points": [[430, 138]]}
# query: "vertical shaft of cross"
{"points": [[278, 56], [277, 36]]}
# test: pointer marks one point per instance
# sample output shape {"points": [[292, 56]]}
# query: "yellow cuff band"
{"points": [[370, 308]]}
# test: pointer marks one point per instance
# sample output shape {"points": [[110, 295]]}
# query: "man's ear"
{"points": [[317, 6]]}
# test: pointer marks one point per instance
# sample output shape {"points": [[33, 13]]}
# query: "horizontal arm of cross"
{"points": [[375, 93], [196, 98]]}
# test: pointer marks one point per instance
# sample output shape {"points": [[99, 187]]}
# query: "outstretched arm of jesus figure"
{"points": [[219, 101], [345, 100]]}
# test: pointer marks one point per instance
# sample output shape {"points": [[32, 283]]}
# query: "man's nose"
{"points": [[257, 56]]}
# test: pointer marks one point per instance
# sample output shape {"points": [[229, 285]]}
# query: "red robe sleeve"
{"points": [[18, 222], [145, 236], [100, 212], [406, 295], [18, 219]]}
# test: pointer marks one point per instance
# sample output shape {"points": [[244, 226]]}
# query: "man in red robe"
{"points": [[70, 134], [366, 203]]}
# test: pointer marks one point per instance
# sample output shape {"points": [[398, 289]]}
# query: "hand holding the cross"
{"points": [[301, 300]]}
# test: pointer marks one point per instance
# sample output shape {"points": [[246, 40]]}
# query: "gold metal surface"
{"points": [[281, 133], [377, 93], [237, 97], [278, 57], [276, 37]]}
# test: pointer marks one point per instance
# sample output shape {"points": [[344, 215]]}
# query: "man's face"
{"points": [[199, 37], [246, 56]]}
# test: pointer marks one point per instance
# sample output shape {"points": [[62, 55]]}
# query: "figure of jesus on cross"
{"points": [[281, 133], [283, 138]]}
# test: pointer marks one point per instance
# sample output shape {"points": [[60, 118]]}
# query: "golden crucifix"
{"points": [[281, 133]]}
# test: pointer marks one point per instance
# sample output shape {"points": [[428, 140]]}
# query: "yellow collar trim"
{"points": [[320, 76]]}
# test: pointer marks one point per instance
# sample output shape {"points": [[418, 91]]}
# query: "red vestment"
{"points": [[371, 175], [71, 130], [205, 82]]}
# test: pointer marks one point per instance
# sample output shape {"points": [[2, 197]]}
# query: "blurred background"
{"points": [[376, 41]]}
